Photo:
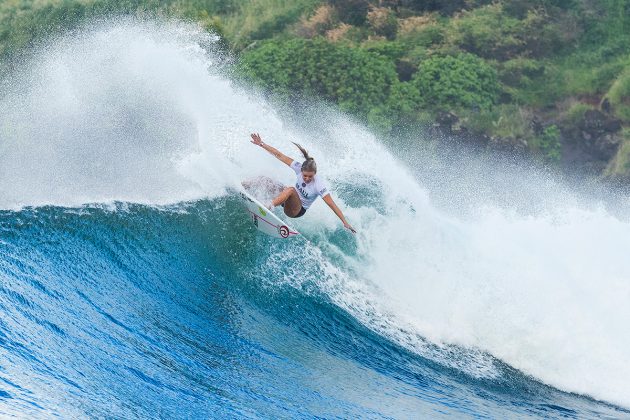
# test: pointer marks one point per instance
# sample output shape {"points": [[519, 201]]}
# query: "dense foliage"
{"points": [[457, 81], [353, 78], [525, 71]]}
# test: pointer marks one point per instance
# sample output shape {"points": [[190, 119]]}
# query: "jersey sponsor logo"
{"points": [[301, 190]]}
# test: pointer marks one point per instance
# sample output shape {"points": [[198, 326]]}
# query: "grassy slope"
{"points": [[554, 60], [263, 19]]}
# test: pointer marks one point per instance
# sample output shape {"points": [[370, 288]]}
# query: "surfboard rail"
{"points": [[265, 221]]}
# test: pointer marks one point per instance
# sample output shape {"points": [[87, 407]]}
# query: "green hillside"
{"points": [[548, 78]]}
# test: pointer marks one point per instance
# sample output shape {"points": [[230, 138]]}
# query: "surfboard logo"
{"points": [[261, 211], [283, 231]]}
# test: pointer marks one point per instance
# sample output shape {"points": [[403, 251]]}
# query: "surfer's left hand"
{"points": [[350, 228], [256, 139]]}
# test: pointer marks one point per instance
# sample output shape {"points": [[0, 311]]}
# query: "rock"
{"points": [[606, 146], [596, 121], [447, 120], [592, 119], [537, 126], [509, 145], [612, 125], [588, 145]]}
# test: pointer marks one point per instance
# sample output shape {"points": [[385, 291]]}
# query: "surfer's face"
{"points": [[308, 176]]}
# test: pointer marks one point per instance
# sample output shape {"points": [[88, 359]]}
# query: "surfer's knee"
{"points": [[289, 191]]}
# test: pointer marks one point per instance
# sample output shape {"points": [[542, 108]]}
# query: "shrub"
{"points": [[262, 19], [520, 8], [491, 33], [575, 113], [424, 31], [457, 81], [619, 95], [353, 78], [392, 50], [506, 121], [487, 32], [404, 102], [513, 71], [619, 166], [343, 32], [321, 21], [353, 12], [383, 22], [445, 7], [549, 144]]}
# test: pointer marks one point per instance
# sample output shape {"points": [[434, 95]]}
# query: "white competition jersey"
{"points": [[308, 192]]}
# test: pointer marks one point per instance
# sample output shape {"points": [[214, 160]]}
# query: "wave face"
{"points": [[133, 285]]}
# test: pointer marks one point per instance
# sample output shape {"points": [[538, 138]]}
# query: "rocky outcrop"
{"points": [[450, 124], [589, 144]]}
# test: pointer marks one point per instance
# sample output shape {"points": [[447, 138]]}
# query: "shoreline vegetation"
{"points": [[547, 79]]}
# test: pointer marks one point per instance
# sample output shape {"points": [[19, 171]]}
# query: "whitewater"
{"points": [[133, 285]]}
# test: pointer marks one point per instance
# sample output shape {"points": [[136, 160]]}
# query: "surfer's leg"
{"points": [[292, 204]]}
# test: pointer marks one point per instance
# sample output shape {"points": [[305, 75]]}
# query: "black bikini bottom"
{"points": [[300, 213]]}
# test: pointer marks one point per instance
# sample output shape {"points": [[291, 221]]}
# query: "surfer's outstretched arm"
{"points": [[331, 203], [282, 157]]}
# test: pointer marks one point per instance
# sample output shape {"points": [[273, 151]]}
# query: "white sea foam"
{"points": [[137, 111]]}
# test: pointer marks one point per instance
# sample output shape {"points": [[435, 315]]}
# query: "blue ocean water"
{"points": [[135, 312]]}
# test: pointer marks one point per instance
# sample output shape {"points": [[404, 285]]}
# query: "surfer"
{"points": [[308, 186]]}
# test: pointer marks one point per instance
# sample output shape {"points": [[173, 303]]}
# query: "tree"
{"points": [[357, 80], [464, 80], [353, 12]]}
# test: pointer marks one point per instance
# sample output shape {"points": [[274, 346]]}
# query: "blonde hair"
{"points": [[309, 164]]}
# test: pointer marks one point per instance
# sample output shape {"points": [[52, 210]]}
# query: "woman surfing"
{"points": [[297, 199]]}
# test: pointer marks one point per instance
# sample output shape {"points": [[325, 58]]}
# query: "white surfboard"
{"points": [[265, 221]]}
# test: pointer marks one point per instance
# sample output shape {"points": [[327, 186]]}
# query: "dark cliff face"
{"points": [[588, 144], [591, 143]]}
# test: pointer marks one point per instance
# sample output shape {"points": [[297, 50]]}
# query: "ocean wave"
{"points": [[131, 278]]}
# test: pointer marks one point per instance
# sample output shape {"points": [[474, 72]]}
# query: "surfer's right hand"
{"points": [[256, 139]]}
